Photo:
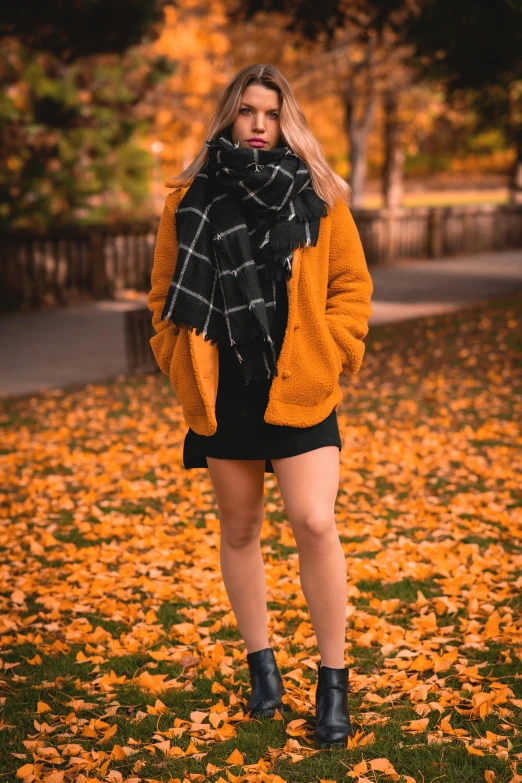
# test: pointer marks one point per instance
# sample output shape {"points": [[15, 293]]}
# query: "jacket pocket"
{"points": [[183, 377], [311, 369], [163, 344], [334, 348]]}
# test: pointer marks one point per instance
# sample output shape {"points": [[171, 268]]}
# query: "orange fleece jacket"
{"points": [[329, 306]]}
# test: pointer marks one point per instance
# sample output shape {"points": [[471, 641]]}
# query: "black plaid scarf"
{"points": [[246, 210]]}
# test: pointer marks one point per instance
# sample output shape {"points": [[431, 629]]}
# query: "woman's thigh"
{"points": [[239, 488], [309, 484]]}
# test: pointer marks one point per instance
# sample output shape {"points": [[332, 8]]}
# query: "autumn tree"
{"points": [[72, 112], [196, 31], [364, 56], [477, 53], [212, 47]]}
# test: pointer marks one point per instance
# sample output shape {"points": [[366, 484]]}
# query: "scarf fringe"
{"points": [[276, 267], [284, 243], [309, 206], [251, 335], [190, 327]]}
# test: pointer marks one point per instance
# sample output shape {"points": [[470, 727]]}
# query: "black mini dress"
{"points": [[242, 432]]}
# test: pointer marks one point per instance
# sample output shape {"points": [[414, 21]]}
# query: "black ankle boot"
{"points": [[333, 724], [267, 685]]}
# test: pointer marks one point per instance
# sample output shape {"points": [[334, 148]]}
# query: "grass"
{"points": [[120, 656]]}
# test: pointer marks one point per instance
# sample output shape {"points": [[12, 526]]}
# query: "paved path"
{"points": [[412, 289], [54, 348], [84, 343]]}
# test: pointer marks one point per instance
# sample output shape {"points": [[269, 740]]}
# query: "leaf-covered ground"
{"points": [[120, 656]]}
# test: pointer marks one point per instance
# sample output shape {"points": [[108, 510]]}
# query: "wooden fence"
{"points": [[437, 232], [57, 265]]}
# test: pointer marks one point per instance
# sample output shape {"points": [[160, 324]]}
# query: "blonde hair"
{"points": [[294, 131]]}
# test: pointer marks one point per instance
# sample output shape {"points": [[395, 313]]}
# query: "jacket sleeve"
{"points": [[350, 288], [165, 255]]}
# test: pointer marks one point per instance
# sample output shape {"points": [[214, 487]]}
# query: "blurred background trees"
{"points": [[477, 53], [385, 47], [105, 100], [75, 75]]}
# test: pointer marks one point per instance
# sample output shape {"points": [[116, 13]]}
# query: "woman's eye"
{"points": [[273, 113]]}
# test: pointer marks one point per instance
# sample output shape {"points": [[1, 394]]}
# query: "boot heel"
{"points": [[266, 682], [333, 725]]}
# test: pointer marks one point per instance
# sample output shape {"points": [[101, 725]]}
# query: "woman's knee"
{"points": [[241, 530], [314, 527]]}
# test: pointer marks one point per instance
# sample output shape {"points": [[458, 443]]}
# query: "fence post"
{"points": [[468, 225], [13, 280], [388, 218], [101, 285], [435, 232]]}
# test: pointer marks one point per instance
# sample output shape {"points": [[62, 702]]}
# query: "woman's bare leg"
{"points": [[308, 484], [239, 490]]}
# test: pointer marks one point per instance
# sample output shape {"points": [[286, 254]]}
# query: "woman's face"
{"points": [[258, 118]]}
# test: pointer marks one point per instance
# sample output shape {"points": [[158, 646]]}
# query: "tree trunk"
{"points": [[358, 132], [515, 137], [393, 169], [515, 179]]}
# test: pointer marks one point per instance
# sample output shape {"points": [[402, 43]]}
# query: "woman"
{"points": [[261, 298]]}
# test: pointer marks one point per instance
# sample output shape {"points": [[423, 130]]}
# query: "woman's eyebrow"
{"points": [[253, 107]]}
